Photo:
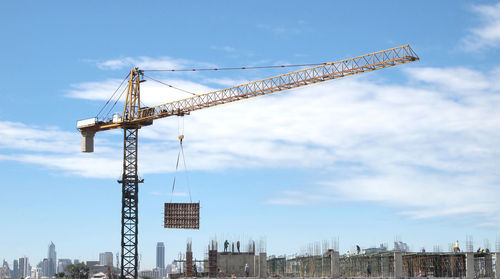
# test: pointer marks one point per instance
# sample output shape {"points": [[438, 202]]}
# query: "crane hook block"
{"points": [[181, 137]]}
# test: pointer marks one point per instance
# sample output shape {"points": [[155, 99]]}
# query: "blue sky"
{"points": [[409, 152]]}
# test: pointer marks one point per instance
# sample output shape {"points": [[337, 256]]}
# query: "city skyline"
{"points": [[408, 152]]}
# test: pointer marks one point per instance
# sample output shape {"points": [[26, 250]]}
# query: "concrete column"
{"points": [[497, 265], [488, 265], [189, 264], [469, 265], [334, 265], [398, 264], [256, 267], [385, 266], [262, 265]]}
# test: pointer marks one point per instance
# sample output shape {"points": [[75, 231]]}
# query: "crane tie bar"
{"points": [[235, 68]]}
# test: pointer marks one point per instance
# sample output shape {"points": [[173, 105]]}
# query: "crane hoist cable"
{"points": [[180, 132]]}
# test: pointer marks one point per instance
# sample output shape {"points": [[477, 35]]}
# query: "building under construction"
{"points": [[236, 261], [231, 260], [393, 264]]}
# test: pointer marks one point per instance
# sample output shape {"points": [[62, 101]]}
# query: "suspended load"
{"points": [[182, 215]]}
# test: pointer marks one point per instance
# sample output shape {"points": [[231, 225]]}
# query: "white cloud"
{"points": [[488, 34], [86, 165], [226, 82], [15, 135], [223, 48], [95, 90], [149, 63], [455, 80], [175, 194], [280, 30], [152, 92], [428, 149]]}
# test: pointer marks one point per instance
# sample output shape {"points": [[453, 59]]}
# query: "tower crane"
{"points": [[135, 117]]}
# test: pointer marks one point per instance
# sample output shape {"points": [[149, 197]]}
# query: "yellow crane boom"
{"points": [[143, 116]]}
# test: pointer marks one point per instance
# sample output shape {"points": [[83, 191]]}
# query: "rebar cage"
{"points": [[182, 216]]}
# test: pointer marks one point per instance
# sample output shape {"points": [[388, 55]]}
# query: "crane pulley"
{"points": [[134, 117]]}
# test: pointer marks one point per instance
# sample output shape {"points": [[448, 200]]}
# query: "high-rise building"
{"points": [[5, 271], [15, 269], [24, 268], [45, 267], [160, 255], [106, 259], [36, 273], [52, 260], [62, 264]]}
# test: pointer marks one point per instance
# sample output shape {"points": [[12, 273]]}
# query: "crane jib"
{"points": [[328, 71]]}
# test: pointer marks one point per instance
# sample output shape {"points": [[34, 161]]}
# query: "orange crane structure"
{"points": [[135, 117]]}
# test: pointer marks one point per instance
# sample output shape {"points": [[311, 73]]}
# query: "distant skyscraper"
{"points": [[160, 255], [36, 273], [106, 259], [62, 264], [15, 269], [45, 267], [5, 271], [52, 260], [24, 268]]}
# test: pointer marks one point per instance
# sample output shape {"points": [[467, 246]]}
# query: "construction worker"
{"points": [[238, 246], [247, 270], [226, 245], [455, 247], [358, 249]]}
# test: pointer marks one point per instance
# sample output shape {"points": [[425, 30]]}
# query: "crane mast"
{"points": [[130, 180], [134, 117]]}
